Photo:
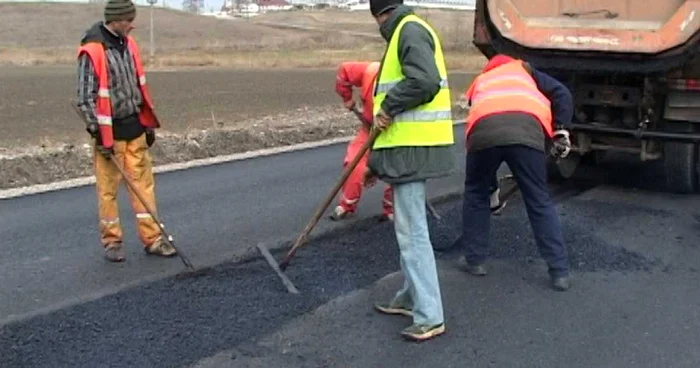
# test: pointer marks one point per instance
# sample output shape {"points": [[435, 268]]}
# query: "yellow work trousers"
{"points": [[136, 161]]}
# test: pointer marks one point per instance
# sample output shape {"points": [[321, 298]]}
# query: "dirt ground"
{"points": [[454, 26], [184, 39], [205, 113]]}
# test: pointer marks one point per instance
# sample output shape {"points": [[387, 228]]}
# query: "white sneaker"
{"points": [[495, 203], [339, 213]]}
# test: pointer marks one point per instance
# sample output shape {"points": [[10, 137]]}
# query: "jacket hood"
{"points": [[100, 34], [387, 29], [93, 34]]}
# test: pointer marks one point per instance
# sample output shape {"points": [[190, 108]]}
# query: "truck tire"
{"points": [[680, 163]]}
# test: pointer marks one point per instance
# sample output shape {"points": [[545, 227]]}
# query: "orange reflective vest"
{"points": [[507, 88], [103, 105]]}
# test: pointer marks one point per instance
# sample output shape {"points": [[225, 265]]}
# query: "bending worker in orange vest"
{"points": [[362, 75], [114, 97], [515, 109]]}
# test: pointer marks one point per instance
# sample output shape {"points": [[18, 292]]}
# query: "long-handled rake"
{"points": [[167, 237]]}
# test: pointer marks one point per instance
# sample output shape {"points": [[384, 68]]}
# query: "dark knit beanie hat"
{"points": [[380, 6], [117, 10]]}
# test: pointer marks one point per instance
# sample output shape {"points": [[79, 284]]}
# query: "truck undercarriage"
{"points": [[629, 97]]}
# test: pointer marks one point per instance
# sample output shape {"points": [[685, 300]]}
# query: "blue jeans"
{"points": [[421, 289], [529, 168]]}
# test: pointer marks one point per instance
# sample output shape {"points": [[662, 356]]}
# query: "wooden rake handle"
{"points": [[143, 201], [329, 198]]}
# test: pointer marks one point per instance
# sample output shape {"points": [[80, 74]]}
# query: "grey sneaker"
{"points": [[388, 308], [476, 270], [114, 252], [423, 332], [561, 283], [161, 248], [495, 204], [339, 213]]}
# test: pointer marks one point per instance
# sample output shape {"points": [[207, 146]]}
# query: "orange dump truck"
{"points": [[631, 65]]}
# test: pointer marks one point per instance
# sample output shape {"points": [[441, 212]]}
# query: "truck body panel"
{"points": [[634, 26]]}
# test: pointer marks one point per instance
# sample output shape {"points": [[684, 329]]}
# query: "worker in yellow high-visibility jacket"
{"points": [[412, 107]]}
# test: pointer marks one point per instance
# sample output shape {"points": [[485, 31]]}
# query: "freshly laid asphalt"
{"points": [[633, 303], [49, 244], [633, 254]]}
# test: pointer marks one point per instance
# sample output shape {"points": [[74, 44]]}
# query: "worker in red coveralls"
{"points": [[362, 75]]}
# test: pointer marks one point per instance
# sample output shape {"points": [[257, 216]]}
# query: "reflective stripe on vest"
{"points": [[507, 88], [103, 103], [384, 87], [429, 124]]}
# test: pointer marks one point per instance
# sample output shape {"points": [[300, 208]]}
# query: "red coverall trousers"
{"points": [[353, 187]]}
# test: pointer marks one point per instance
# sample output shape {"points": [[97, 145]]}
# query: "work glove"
{"points": [[94, 130], [105, 151], [561, 144], [150, 137]]}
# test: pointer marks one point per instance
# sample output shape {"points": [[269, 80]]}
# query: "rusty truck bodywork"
{"points": [[631, 65]]}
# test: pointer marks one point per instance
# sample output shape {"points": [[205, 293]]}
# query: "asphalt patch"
{"points": [[511, 235], [178, 321]]}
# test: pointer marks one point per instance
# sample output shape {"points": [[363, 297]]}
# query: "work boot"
{"points": [[476, 270], [340, 213], [495, 204], [423, 332], [561, 283], [389, 308], [161, 248], [114, 252], [386, 217]]}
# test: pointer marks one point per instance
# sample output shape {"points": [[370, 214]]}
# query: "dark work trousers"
{"points": [[529, 168]]}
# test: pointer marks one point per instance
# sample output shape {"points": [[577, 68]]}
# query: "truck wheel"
{"points": [[680, 162]]}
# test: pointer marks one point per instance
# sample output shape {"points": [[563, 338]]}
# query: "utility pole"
{"points": [[153, 41]]}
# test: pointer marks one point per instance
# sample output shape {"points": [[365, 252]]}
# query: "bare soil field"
{"points": [[205, 113], [185, 40], [454, 26]]}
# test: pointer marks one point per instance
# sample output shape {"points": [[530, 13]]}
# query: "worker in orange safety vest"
{"points": [[361, 75], [516, 112], [115, 100]]}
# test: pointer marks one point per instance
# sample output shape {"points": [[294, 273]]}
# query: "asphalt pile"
{"points": [[177, 321]]}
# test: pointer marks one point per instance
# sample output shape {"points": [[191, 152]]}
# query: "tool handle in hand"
{"points": [[150, 211], [326, 202], [136, 192]]}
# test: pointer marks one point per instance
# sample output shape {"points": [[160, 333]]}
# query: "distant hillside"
{"points": [[61, 25], [49, 33]]}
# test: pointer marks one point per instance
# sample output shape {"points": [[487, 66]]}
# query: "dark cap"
{"points": [[380, 6]]}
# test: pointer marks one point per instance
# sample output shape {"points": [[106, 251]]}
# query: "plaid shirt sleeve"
{"points": [[87, 88]]}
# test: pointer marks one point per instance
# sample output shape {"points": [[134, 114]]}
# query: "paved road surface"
{"points": [[634, 302], [50, 246]]}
